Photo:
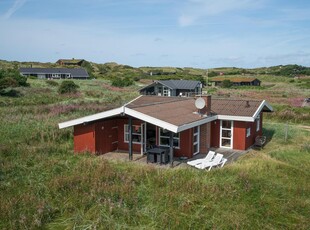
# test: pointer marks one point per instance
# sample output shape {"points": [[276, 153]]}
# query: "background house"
{"points": [[173, 88], [55, 73], [70, 62], [236, 81]]}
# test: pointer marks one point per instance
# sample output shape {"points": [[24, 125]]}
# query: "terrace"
{"points": [[230, 154]]}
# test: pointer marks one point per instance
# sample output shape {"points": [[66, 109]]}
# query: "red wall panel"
{"points": [[106, 136], [186, 144], [215, 134], [84, 138], [239, 134]]}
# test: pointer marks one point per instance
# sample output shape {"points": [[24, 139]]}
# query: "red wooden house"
{"points": [[173, 122]]}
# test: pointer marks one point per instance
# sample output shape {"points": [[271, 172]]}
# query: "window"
{"points": [[248, 132], [164, 138], [226, 134], [196, 140], [136, 134], [166, 91], [258, 124]]}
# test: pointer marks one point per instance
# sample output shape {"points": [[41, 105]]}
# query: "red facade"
{"points": [[109, 135], [240, 139]]}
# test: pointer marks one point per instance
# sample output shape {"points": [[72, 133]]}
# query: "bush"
{"points": [[212, 74], [8, 82], [226, 83], [12, 78], [122, 82], [52, 83], [68, 87]]}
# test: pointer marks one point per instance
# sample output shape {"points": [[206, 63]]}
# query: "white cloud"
{"points": [[17, 5], [197, 9]]}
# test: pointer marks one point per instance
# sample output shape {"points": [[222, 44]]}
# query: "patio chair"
{"points": [[208, 158], [215, 162], [260, 141], [223, 161]]}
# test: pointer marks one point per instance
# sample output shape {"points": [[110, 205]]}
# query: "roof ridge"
{"points": [[160, 102], [236, 99]]}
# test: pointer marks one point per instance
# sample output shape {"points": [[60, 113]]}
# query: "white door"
{"points": [[226, 134]]}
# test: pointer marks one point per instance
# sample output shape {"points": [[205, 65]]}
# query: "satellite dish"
{"points": [[200, 103]]}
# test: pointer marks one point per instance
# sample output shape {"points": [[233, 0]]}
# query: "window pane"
{"points": [[226, 142], [196, 148], [164, 141], [136, 138], [196, 138], [136, 129], [226, 133], [176, 142], [226, 124], [164, 133]]}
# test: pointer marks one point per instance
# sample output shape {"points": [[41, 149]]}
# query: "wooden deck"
{"points": [[230, 154]]}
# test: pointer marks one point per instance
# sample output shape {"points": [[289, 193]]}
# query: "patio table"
{"points": [[159, 153]]}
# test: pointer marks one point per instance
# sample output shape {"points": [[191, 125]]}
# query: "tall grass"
{"points": [[44, 185]]}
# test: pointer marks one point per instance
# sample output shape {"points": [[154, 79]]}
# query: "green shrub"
{"points": [[8, 82], [212, 74], [52, 83], [122, 82], [226, 83], [12, 78], [9, 92], [68, 87]]}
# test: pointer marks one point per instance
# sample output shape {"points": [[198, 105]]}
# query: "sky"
{"points": [[179, 33]]}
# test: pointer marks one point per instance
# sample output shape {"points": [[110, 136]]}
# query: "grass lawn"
{"points": [[43, 185]]}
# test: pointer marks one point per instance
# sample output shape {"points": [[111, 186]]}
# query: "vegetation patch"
{"points": [[67, 87]]}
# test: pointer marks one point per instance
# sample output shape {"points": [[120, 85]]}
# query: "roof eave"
{"points": [[94, 117], [235, 118], [261, 107], [151, 120]]}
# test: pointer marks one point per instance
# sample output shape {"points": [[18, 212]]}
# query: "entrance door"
{"points": [[196, 138], [106, 136], [226, 134]]}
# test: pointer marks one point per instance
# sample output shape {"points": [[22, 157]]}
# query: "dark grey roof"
{"points": [[176, 84], [180, 84], [75, 72]]}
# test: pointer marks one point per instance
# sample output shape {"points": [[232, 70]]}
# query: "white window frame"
{"points": [[231, 131], [166, 91], [258, 124], [175, 138], [248, 132], [126, 133], [197, 134]]}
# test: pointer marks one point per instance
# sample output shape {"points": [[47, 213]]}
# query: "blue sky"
{"points": [[181, 33]]}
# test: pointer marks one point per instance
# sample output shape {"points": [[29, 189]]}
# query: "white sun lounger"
{"points": [[208, 158], [218, 160]]}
